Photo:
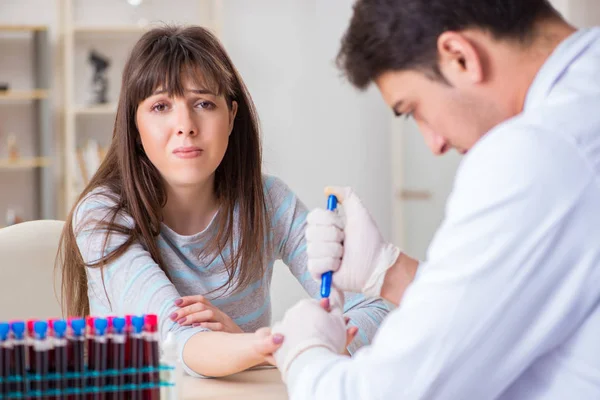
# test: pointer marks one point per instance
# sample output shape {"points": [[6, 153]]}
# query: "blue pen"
{"points": [[327, 276]]}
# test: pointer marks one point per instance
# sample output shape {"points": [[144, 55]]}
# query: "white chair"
{"points": [[28, 286]]}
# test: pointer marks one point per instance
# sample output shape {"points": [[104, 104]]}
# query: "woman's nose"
{"points": [[185, 123]]}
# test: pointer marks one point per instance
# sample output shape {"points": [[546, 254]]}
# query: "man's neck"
{"points": [[549, 35]]}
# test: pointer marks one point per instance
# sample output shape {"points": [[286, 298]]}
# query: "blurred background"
{"points": [[60, 69]]}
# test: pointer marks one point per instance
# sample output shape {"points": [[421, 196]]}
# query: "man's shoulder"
{"points": [[524, 151]]}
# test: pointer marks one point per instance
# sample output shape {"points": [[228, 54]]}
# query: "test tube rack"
{"points": [[89, 359]]}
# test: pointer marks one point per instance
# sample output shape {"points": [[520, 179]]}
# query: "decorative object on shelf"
{"points": [[12, 218], [99, 79], [13, 149], [4, 86]]}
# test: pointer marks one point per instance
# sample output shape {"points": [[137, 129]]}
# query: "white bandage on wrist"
{"points": [[386, 258]]}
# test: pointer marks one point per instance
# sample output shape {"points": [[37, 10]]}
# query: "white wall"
{"points": [[317, 130]]}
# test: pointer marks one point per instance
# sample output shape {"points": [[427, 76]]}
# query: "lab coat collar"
{"points": [[558, 62]]}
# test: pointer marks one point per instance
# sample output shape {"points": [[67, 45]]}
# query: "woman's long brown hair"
{"points": [[162, 58]]}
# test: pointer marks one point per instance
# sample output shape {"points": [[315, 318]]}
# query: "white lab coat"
{"points": [[507, 304]]}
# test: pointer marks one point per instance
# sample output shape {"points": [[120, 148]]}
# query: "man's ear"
{"points": [[458, 59]]}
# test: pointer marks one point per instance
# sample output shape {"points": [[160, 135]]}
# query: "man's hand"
{"points": [[350, 245], [307, 325]]}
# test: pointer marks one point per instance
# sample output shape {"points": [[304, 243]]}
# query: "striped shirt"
{"points": [[135, 284]]}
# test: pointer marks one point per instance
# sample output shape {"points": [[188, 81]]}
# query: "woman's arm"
{"points": [[218, 354], [289, 223], [226, 349], [135, 284]]}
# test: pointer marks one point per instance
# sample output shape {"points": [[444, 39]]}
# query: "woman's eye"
{"points": [[160, 107], [208, 105]]}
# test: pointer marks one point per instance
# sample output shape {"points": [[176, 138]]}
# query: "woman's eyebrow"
{"points": [[196, 91]]}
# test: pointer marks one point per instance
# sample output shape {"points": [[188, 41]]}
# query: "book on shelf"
{"points": [[88, 159]]}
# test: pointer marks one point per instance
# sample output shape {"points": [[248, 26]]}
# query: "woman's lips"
{"points": [[188, 152]]}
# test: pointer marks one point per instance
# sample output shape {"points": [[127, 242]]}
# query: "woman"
{"points": [[179, 207]]}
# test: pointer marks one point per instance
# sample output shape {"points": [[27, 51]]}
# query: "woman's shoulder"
{"points": [[275, 187], [97, 205]]}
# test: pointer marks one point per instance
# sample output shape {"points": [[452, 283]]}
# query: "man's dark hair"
{"points": [[389, 35]]}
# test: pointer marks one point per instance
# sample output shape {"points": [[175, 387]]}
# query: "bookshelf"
{"points": [[42, 163]]}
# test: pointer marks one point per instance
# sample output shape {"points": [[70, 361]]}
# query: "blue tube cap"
{"points": [[78, 326], [18, 329], [41, 329], [4, 328], [138, 324], [100, 325], [118, 325], [60, 328]]}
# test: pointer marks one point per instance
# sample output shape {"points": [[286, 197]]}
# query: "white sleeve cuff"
{"points": [[309, 365]]}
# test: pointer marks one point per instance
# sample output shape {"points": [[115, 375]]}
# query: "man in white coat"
{"points": [[507, 303]]}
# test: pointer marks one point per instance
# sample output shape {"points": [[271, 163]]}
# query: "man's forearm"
{"points": [[216, 354], [398, 277]]}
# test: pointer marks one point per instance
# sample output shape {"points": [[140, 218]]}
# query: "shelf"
{"points": [[25, 163], [36, 94], [23, 28], [104, 109], [107, 29]]}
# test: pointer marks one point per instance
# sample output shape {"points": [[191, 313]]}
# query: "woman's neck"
{"points": [[190, 209]]}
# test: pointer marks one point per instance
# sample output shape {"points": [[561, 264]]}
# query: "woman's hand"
{"points": [[265, 344], [198, 311]]}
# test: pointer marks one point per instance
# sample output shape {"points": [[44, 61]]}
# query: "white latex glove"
{"points": [[349, 244], [307, 325]]}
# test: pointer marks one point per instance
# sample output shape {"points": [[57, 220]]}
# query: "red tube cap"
{"points": [[151, 322]]}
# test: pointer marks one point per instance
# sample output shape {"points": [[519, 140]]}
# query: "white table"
{"points": [[259, 384]]}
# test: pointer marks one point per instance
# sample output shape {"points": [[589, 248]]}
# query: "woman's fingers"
{"points": [[266, 343], [185, 312], [188, 300], [351, 334], [213, 326], [198, 317]]}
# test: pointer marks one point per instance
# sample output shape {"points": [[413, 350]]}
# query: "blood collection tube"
{"points": [[117, 359], [108, 334], [151, 357], [99, 359], [19, 387], [5, 354], [29, 343], [60, 356], [89, 338], [76, 345], [51, 361], [137, 355], [41, 348], [128, 354]]}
